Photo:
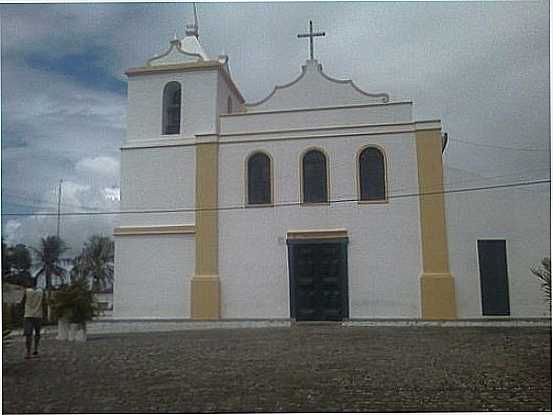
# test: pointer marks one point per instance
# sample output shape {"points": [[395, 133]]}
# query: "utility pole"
{"points": [[59, 209]]}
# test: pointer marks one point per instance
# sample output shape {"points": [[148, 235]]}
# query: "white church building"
{"points": [[320, 202]]}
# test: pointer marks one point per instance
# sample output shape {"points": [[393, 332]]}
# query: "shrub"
{"points": [[75, 302]]}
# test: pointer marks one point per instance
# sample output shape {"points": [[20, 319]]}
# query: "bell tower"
{"points": [[170, 162]]}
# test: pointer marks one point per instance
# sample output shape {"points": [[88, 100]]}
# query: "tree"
{"points": [[16, 264], [49, 257], [95, 263], [543, 272], [21, 257], [6, 260]]}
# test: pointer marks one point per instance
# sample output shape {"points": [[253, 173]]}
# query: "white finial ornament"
{"points": [[192, 29]]}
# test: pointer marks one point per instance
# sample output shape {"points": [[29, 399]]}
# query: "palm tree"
{"points": [[544, 274], [49, 256], [95, 262]]}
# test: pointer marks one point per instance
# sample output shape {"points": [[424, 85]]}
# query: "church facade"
{"points": [[320, 202]]}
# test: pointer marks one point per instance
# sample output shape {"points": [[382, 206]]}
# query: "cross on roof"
{"points": [[311, 35]]}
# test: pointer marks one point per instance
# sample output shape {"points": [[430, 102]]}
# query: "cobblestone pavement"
{"points": [[297, 369]]}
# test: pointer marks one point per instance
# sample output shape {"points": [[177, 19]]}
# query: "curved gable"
{"points": [[313, 88]]}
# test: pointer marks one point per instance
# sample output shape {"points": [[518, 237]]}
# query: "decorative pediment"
{"points": [[313, 88], [180, 51]]}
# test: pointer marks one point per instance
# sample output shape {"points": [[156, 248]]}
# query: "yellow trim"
{"points": [[317, 234], [327, 165], [155, 230], [205, 287], [205, 301], [377, 201], [438, 296], [272, 178], [437, 285]]}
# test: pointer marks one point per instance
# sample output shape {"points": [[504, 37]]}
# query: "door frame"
{"points": [[291, 243]]}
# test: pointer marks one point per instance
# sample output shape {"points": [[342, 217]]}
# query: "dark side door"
{"points": [[494, 284], [318, 279]]}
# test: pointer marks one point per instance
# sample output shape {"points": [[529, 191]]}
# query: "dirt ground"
{"points": [[297, 369]]}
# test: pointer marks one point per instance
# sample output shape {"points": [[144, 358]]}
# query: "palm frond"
{"points": [[543, 273]]}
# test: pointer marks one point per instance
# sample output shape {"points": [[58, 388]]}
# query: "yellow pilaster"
{"points": [[205, 288], [437, 285]]}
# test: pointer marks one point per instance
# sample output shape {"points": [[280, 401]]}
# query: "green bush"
{"points": [[12, 315], [75, 302]]}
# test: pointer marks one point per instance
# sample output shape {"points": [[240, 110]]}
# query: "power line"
{"points": [[514, 175], [282, 204], [483, 178], [48, 204], [542, 150]]}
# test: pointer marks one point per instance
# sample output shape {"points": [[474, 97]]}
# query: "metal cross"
{"points": [[311, 35]]}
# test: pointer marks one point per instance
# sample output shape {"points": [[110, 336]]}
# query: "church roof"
{"points": [[314, 88]]}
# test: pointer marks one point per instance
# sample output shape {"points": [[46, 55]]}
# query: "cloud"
{"points": [[481, 67], [10, 231], [101, 166]]}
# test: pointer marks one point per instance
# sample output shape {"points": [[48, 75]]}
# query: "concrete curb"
{"points": [[107, 326], [533, 322]]}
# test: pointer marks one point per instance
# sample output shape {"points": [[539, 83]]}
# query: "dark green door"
{"points": [[318, 280], [494, 285]]}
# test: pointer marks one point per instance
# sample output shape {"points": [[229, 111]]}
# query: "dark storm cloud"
{"points": [[480, 67]]}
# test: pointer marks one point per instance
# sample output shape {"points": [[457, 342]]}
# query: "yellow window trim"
{"points": [[317, 234], [327, 166], [358, 177]]}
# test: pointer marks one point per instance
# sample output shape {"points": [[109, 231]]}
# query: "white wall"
{"points": [[152, 273], [223, 93], [325, 117], [384, 246], [522, 218], [145, 95], [153, 276], [158, 178]]}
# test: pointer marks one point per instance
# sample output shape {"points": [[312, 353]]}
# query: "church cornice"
{"points": [[188, 67], [334, 107], [180, 67], [330, 132]]}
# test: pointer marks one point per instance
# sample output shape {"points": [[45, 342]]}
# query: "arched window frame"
{"points": [[327, 171], [271, 180], [164, 107], [357, 165]]}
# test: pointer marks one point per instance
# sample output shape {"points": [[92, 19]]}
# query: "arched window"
{"points": [[171, 108], [315, 186], [229, 105], [259, 179], [372, 175]]}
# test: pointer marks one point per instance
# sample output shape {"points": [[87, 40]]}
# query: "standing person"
{"points": [[32, 319]]}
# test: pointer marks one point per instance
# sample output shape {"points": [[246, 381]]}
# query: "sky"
{"points": [[480, 67]]}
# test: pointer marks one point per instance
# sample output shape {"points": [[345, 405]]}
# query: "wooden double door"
{"points": [[318, 279]]}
